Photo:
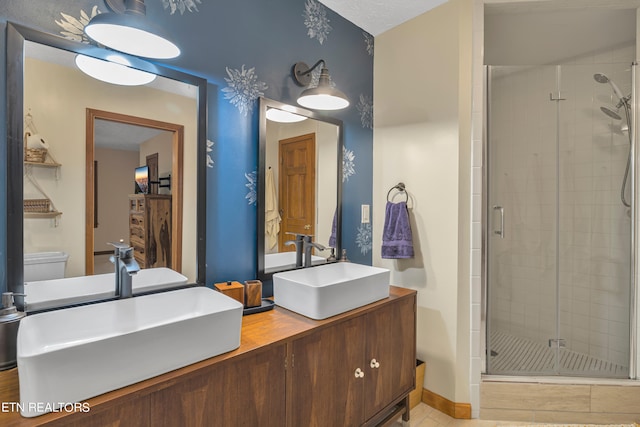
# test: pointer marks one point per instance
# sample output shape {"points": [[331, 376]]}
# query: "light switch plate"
{"points": [[365, 214]]}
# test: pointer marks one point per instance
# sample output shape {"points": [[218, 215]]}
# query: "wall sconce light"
{"points": [[115, 70], [323, 96], [127, 30], [282, 116]]}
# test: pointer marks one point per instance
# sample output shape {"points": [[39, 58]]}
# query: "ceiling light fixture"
{"points": [[322, 97], [115, 70], [282, 116], [127, 30]]}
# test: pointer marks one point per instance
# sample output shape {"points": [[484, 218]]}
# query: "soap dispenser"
{"points": [[9, 321]]}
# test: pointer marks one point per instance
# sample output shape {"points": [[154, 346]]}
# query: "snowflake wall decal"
{"points": [[364, 238], [209, 150], [243, 88], [252, 195], [365, 107], [180, 5], [74, 27], [316, 21], [368, 42], [348, 164]]}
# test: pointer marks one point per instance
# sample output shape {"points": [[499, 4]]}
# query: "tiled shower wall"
{"points": [[594, 240]]}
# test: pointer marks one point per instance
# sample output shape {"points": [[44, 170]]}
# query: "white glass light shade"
{"points": [[324, 96], [282, 116], [323, 99], [114, 71], [130, 34]]}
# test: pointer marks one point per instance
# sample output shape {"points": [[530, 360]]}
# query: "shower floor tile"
{"points": [[512, 355]]}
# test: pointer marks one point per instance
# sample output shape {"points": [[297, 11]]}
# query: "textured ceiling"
{"points": [[378, 16]]}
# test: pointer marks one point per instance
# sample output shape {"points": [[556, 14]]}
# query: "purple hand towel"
{"points": [[397, 242]]}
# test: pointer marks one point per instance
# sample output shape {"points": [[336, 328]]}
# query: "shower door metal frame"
{"points": [[634, 356], [634, 320], [484, 274]]}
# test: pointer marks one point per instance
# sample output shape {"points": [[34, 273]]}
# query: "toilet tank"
{"points": [[44, 265]]}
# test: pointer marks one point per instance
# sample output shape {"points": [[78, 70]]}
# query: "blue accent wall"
{"points": [[258, 40]]}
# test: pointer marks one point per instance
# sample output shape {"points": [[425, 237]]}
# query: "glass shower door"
{"points": [[594, 220], [558, 233], [521, 230]]}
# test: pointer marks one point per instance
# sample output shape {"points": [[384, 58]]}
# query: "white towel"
{"points": [[271, 214]]}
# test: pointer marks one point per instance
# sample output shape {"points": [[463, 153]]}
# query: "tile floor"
{"points": [[424, 415]]}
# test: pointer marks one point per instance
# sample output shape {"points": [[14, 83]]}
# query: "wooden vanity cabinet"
{"points": [[245, 392], [352, 373], [288, 371]]}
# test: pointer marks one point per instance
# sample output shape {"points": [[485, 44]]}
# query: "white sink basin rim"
{"points": [[285, 261], [70, 355], [327, 290]]}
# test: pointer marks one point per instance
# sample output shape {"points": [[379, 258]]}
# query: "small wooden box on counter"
{"points": [[253, 293], [231, 289]]}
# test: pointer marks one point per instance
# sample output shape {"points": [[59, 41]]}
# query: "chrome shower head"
{"points": [[603, 78], [611, 113]]}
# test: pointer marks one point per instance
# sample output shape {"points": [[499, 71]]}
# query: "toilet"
{"points": [[44, 266]]}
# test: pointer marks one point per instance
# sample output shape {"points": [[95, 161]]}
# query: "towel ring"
{"points": [[401, 188]]}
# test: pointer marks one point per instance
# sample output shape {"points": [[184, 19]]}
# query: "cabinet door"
{"points": [[391, 354], [324, 388], [248, 392]]}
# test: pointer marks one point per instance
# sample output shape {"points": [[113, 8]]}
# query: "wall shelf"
{"points": [[53, 214], [43, 164]]}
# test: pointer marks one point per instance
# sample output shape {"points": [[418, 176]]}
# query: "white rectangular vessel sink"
{"points": [[70, 355], [285, 261], [326, 290]]}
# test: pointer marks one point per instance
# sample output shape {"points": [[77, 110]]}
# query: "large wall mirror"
{"points": [[100, 136], [300, 184]]}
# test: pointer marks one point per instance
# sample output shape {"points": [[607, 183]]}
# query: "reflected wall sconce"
{"points": [[127, 30], [115, 70], [323, 96], [282, 116]]}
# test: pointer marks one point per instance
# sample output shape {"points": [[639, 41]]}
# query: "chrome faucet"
{"points": [[126, 266], [308, 246], [299, 243]]}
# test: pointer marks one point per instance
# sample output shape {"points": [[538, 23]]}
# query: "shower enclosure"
{"points": [[558, 229]]}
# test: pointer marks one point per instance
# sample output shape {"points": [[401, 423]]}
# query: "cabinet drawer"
{"points": [[136, 242], [136, 221], [137, 233]]}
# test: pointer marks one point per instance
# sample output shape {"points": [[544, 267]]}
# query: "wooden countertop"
{"points": [[258, 331]]}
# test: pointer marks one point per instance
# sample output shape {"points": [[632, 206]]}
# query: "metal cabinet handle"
{"points": [[501, 231], [374, 364], [359, 373]]}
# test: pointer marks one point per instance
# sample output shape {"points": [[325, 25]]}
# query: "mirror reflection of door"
{"points": [[120, 144], [296, 189]]}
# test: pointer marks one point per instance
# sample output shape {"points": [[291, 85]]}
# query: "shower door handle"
{"points": [[501, 231]]}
